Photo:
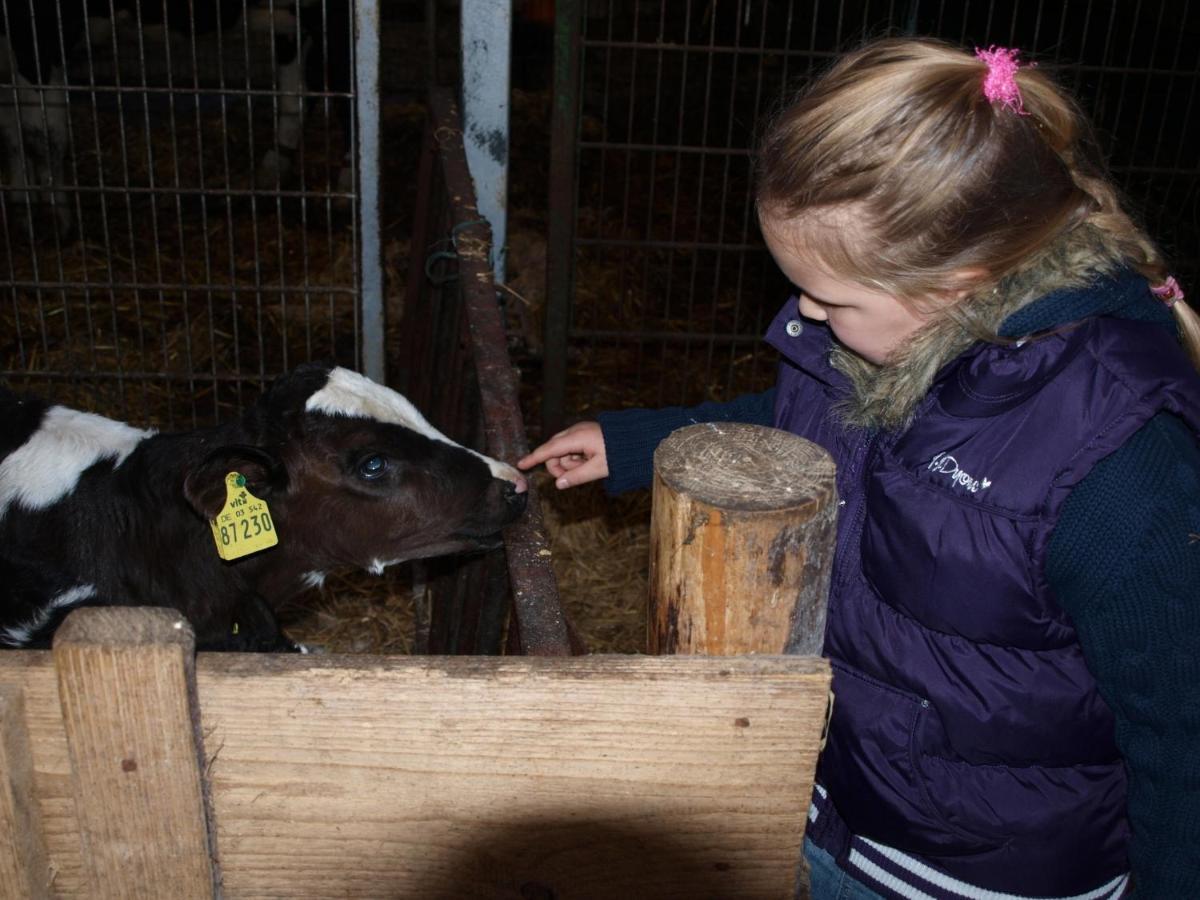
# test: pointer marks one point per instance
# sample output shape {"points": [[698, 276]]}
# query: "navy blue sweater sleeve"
{"points": [[1124, 562], [631, 435]]}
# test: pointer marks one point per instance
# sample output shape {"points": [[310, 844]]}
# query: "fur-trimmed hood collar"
{"points": [[1080, 275]]}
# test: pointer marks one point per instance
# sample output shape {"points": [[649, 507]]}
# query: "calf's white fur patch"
{"points": [[19, 635], [378, 565], [348, 393], [47, 467]]}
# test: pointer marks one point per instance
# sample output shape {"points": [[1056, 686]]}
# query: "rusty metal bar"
{"points": [[560, 249], [539, 616], [455, 366]]}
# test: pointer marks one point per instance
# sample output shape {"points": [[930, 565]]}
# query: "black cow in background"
{"points": [[311, 53], [97, 512]]}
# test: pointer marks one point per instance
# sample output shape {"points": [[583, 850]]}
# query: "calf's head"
{"points": [[354, 475]]}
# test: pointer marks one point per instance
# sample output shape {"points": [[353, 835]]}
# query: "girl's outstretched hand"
{"points": [[574, 456]]}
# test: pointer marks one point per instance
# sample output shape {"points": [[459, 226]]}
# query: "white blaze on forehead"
{"points": [[347, 393], [47, 467]]}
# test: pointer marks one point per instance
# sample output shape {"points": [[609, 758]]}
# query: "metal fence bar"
{"points": [[749, 223], [486, 62], [560, 248], [468, 388], [366, 56], [155, 286]]}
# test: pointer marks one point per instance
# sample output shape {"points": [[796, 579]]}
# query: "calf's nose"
{"points": [[512, 476], [515, 494]]}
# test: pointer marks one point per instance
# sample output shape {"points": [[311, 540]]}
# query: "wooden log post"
{"points": [[126, 683], [743, 523], [24, 866]]}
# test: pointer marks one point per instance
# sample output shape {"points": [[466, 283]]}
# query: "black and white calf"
{"points": [[94, 511], [310, 53]]}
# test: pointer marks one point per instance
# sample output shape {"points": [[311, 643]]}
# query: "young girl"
{"points": [[991, 350]]}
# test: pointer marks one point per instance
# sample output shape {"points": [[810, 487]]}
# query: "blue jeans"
{"points": [[828, 882]]}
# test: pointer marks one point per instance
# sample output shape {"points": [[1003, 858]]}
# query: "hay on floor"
{"points": [[600, 549]]}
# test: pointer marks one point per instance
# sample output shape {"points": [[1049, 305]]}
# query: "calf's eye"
{"points": [[372, 467]]}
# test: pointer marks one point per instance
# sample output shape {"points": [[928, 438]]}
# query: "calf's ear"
{"points": [[204, 484]]}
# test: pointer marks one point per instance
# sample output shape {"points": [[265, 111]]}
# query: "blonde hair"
{"points": [[939, 180]]}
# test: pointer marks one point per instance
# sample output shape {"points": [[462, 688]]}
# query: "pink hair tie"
{"points": [[1000, 83], [1169, 292]]}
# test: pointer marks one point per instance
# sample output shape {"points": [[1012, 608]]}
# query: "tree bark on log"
{"points": [[742, 534]]}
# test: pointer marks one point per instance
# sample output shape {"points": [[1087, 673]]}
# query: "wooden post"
{"points": [[126, 683], [24, 869], [742, 535]]}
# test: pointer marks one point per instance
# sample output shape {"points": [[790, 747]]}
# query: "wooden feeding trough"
{"points": [[131, 766]]}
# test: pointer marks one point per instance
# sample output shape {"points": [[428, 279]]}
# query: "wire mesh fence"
{"points": [[179, 211], [659, 281]]}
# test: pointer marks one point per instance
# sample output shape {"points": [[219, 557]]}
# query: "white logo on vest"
{"points": [[945, 464]]}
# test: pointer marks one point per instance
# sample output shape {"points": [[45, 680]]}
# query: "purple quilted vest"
{"points": [[967, 731]]}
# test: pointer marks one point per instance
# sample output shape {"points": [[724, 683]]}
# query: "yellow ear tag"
{"points": [[244, 526]]}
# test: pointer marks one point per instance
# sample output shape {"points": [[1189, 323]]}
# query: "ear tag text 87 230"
{"points": [[244, 525]]}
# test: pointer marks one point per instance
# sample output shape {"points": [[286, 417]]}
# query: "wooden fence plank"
{"points": [[24, 865], [598, 776], [508, 777], [32, 673], [126, 688]]}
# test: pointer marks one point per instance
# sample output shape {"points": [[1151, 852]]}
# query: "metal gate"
{"points": [[658, 282], [190, 199]]}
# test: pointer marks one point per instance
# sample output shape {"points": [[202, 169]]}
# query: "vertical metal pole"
{"points": [[366, 96], [431, 47], [486, 62], [560, 242], [912, 17]]}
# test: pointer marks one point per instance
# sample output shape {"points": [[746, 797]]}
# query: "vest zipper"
{"points": [[851, 536]]}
